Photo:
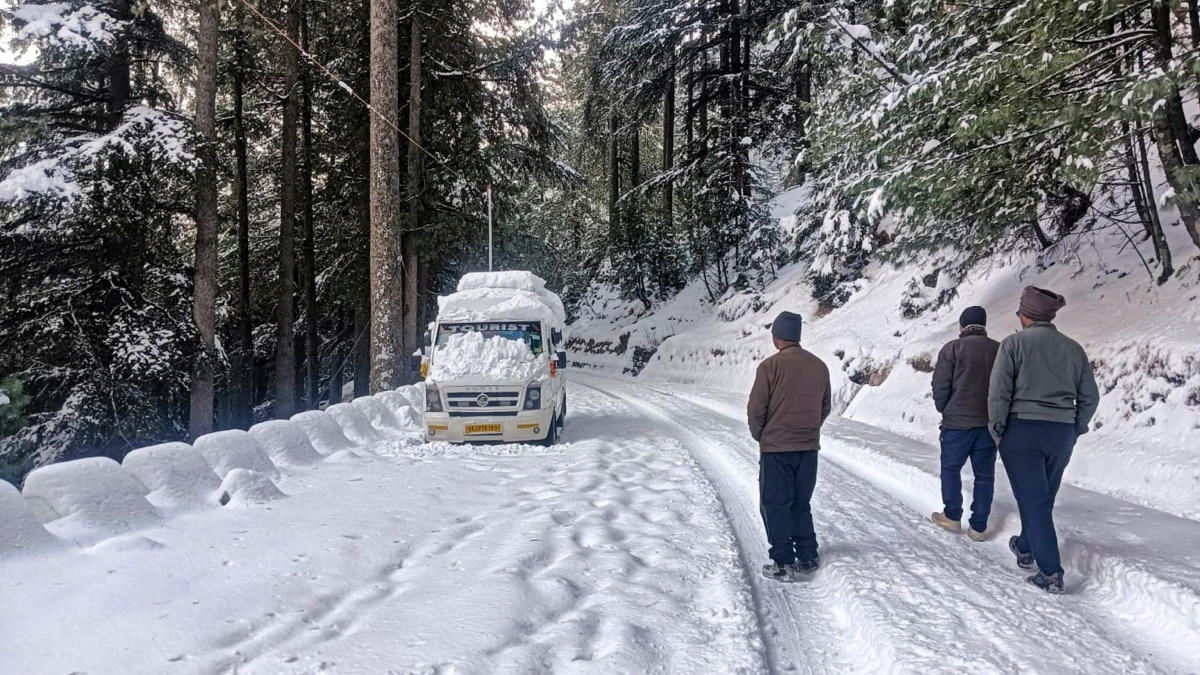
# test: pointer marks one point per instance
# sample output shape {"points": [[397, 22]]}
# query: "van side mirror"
{"points": [[427, 341], [415, 363], [556, 336], [562, 360]]}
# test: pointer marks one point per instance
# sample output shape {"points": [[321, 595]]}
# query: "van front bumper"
{"points": [[524, 427]]}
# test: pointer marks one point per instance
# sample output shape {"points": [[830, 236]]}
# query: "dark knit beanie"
{"points": [[973, 316], [787, 327], [1040, 304]]}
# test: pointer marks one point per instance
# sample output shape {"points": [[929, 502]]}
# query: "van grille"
{"points": [[475, 400]]}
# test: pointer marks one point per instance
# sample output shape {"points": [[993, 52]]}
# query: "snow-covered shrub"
{"points": [[243, 487], [175, 474], [356, 426], [21, 531], [285, 442], [322, 431], [91, 494], [235, 449]]}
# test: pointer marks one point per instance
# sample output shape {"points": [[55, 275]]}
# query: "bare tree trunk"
{"points": [[1145, 188], [285, 347], [312, 358], [119, 85], [204, 299], [411, 256], [1173, 134], [387, 284], [361, 346], [614, 182], [668, 143], [243, 402]]}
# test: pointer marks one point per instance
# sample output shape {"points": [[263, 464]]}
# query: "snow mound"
{"points": [[499, 304], [127, 544], [405, 412], [243, 487], [526, 282], [235, 449], [323, 431], [355, 424], [174, 474], [88, 495], [379, 415], [286, 443], [21, 531], [414, 394], [472, 356]]}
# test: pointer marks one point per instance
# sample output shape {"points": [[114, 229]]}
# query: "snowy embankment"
{"points": [[1142, 338], [89, 500]]}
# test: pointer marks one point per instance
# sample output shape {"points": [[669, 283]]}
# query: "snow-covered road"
{"points": [[633, 547]]}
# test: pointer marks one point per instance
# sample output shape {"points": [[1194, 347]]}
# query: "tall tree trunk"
{"points": [[668, 146], [312, 359], [119, 81], [204, 298], [413, 194], [614, 182], [243, 402], [285, 347], [387, 284], [1144, 188], [1172, 133]]}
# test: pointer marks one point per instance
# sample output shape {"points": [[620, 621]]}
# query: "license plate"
{"points": [[484, 429]]}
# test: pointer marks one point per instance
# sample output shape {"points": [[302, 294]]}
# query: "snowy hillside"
{"points": [[1143, 339]]}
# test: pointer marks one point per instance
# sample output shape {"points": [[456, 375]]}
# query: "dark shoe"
{"points": [[808, 566], [781, 573], [1051, 583], [1024, 560]]}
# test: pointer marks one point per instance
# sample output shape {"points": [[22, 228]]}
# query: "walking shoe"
{"points": [[939, 518], [1024, 560], [976, 535], [782, 573], [1051, 583], [808, 566]]}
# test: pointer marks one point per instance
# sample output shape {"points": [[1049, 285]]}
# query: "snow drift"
{"points": [[472, 356]]}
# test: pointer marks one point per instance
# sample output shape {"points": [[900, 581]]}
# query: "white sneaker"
{"points": [[975, 535], [945, 523]]}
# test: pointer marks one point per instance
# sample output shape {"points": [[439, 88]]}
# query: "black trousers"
{"points": [[786, 481]]}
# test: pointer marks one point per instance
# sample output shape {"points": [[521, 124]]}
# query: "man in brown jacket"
{"points": [[960, 393], [790, 401]]}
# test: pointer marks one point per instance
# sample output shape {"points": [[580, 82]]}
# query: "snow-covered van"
{"points": [[494, 362]]}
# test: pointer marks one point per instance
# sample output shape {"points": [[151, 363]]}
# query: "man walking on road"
{"points": [[960, 393], [790, 401], [1043, 395]]}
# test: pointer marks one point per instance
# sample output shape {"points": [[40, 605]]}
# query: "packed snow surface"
{"points": [[633, 547], [471, 356]]}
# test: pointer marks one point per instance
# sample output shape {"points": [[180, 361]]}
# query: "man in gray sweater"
{"points": [[1042, 397], [960, 393]]}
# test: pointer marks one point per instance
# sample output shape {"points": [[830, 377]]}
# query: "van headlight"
{"points": [[433, 399], [533, 397]]}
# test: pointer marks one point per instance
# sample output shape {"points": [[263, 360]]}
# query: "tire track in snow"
{"points": [[795, 631], [916, 598]]}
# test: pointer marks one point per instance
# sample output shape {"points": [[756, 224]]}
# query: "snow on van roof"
{"points": [[485, 296], [516, 280]]}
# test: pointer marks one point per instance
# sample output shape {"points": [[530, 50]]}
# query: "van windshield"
{"points": [[528, 332]]}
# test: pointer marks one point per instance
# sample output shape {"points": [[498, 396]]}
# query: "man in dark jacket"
{"points": [[1043, 395], [790, 401], [960, 393]]}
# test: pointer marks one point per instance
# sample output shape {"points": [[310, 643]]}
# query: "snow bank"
{"points": [[526, 282], [175, 475], [405, 411], [323, 431], [355, 424], [87, 496], [380, 416], [285, 442], [235, 449], [472, 356], [21, 531], [243, 487]]}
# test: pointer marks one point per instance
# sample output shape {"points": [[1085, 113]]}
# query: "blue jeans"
{"points": [[786, 481], [959, 445], [1035, 455]]}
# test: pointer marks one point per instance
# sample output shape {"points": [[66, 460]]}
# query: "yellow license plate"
{"points": [[484, 429]]}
